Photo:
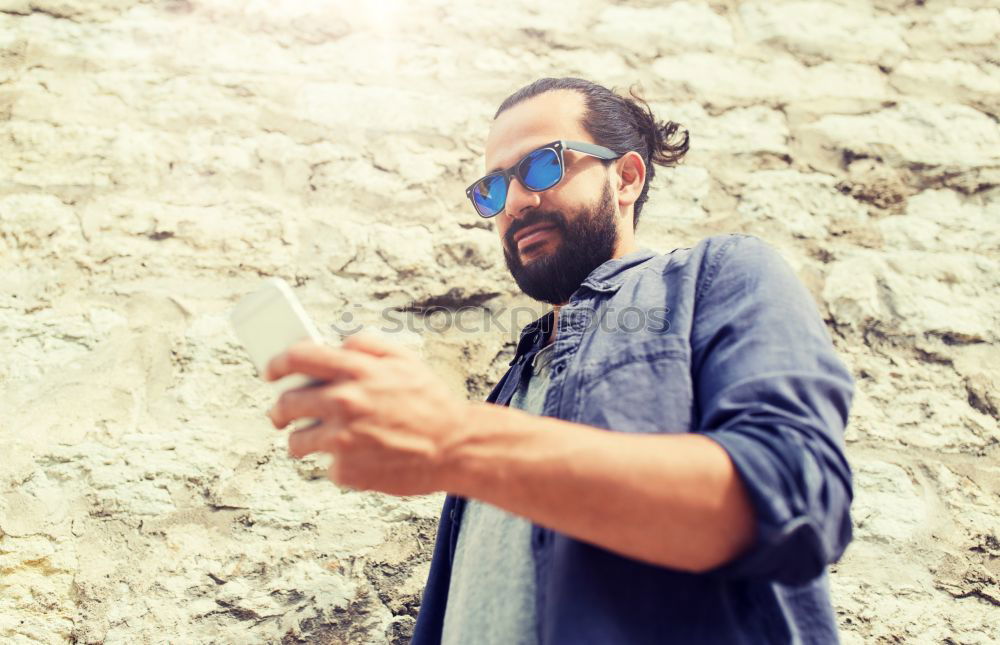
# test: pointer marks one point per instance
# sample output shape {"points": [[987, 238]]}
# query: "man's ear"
{"points": [[631, 176]]}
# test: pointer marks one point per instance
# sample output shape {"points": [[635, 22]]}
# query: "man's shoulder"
{"points": [[723, 269], [708, 255], [723, 246], [712, 247], [739, 254]]}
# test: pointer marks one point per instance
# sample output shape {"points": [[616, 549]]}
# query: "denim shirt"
{"points": [[731, 346]]}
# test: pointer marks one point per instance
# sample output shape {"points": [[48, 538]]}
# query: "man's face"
{"points": [[580, 215]]}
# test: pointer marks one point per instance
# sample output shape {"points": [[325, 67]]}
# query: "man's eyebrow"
{"points": [[526, 153], [499, 168]]}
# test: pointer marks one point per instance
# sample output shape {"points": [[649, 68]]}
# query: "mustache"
{"points": [[548, 218]]}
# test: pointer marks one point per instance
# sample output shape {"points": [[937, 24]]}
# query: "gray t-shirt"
{"points": [[491, 597]]}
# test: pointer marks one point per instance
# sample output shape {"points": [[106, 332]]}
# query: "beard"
{"points": [[582, 244]]}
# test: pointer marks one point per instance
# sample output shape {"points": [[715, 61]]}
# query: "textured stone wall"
{"points": [[157, 158]]}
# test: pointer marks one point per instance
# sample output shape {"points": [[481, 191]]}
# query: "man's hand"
{"points": [[383, 414], [672, 499]]}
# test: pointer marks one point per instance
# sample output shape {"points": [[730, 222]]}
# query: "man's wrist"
{"points": [[467, 460]]}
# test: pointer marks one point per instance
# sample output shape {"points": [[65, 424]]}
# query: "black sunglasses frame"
{"points": [[594, 150]]}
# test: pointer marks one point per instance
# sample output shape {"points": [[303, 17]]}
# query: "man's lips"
{"points": [[529, 230], [533, 235]]}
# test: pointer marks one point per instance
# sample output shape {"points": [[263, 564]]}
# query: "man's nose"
{"points": [[520, 199]]}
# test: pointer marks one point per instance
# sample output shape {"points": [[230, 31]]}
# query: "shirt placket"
{"points": [[573, 320]]}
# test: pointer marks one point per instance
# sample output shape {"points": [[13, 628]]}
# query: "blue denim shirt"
{"points": [[738, 352]]}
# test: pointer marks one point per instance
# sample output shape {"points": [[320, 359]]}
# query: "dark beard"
{"points": [[585, 242]]}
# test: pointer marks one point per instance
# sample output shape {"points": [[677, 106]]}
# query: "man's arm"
{"points": [[760, 488], [672, 500], [772, 391], [771, 402]]}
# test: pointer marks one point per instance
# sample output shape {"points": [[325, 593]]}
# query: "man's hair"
{"points": [[622, 123]]}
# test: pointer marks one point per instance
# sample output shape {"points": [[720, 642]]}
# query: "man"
{"points": [[680, 480]]}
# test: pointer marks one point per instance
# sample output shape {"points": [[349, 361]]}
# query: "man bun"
{"points": [[667, 141]]}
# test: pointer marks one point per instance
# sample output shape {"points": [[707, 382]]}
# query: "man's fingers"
{"points": [[376, 345], [319, 437], [295, 404], [318, 361], [332, 403], [312, 438]]}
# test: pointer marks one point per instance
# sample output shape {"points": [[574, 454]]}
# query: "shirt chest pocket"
{"points": [[640, 387]]}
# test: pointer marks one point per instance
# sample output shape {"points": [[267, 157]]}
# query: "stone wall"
{"points": [[157, 158]]}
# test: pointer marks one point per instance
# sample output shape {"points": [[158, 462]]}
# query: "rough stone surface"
{"points": [[817, 31], [678, 26], [158, 157]]}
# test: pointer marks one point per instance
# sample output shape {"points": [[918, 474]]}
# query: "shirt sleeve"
{"points": [[772, 392]]}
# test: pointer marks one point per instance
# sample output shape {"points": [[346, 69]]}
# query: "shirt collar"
{"points": [[606, 277], [610, 275]]}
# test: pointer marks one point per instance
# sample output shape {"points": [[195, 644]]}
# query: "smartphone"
{"points": [[269, 320]]}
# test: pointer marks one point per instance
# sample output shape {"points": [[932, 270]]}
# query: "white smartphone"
{"points": [[268, 321]]}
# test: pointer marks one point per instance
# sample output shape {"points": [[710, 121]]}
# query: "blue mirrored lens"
{"points": [[490, 195], [540, 169]]}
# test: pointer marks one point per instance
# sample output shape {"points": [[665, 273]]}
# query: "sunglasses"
{"points": [[539, 170]]}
